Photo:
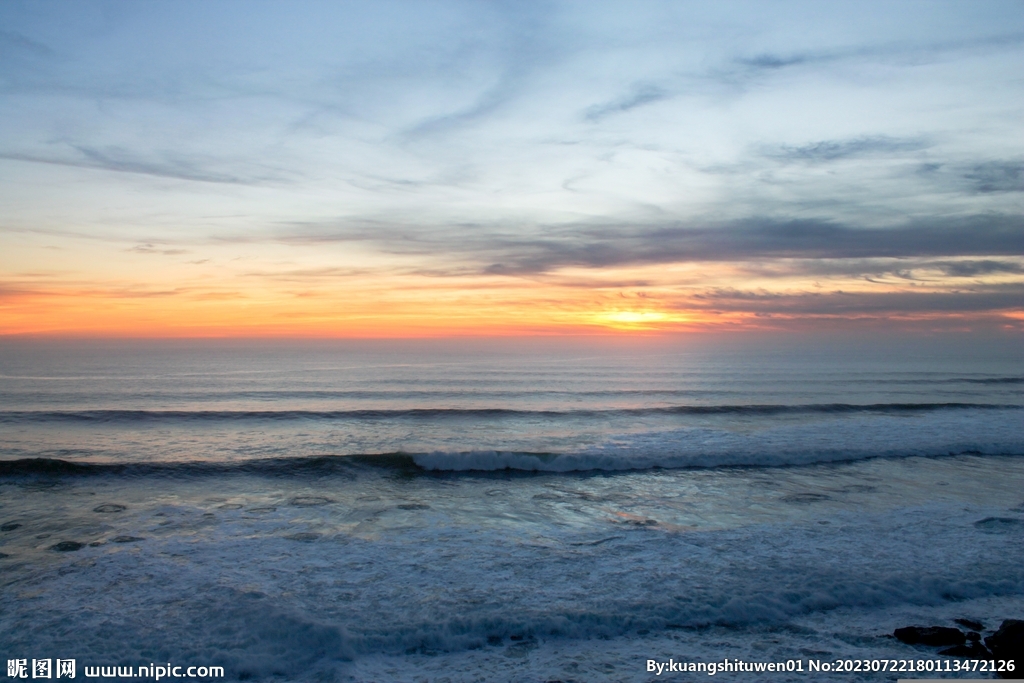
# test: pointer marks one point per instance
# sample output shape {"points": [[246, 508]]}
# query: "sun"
{"points": [[633, 320]]}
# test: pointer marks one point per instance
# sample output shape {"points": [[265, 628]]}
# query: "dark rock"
{"points": [[126, 539], [936, 636], [971, 624], [305, 536], [310, 501], [10, 526], [1008, 643], [229, 506], [109, 507], [67, 546], [4, 556], [972, 650], [973, 636], [996, 525], [805, 497], [96, 544], [413, 506]]}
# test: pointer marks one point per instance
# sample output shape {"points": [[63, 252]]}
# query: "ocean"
{"points": [[505, 511]]}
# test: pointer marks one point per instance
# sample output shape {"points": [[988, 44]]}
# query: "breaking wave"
{"points": [[142, 416]]}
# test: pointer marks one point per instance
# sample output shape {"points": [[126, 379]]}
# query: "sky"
{"points": [[404, 169]]}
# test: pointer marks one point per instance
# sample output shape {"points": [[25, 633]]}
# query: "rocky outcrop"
{"points": [[971, 650], [1005, 645], [936, 636], [1008, 643]]}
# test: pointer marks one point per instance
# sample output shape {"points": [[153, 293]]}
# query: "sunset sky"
{"points": [[379, 169]]}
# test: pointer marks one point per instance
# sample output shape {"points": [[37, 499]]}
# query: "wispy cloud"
{"points": [[13, 44], [639, 95], [310, 274], [774, 61], [917, 51], [596, 246], [976, 268], [834, 150], [840, 303], [981, 177], [121, 160], [997, 176], [906, 268], [522, 47], [149, 248]]}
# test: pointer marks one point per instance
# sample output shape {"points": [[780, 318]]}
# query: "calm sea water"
{"points": [[550, 511]]}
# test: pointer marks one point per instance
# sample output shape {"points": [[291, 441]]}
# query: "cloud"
{"points": [[759, 239], [997, 176], [834, 150], [641, 94], [519, 44], [986, 177], [149, 248], [121, 160], [486, 104], [310, 274], [745, 73], [73, 290], [874, 269], [14, 44], [918, 51], [770, 61], [839, 303], [517, 251], [976, 268]]}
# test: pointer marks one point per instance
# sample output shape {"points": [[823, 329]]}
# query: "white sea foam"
{"points": [[299, 590], [289, 608], [842, 634]]}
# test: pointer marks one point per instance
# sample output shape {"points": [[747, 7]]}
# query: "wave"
{"points": [[518, 376], [991, 380], [460, 462], [311, 465], [842, 438], [143, 416], [843, 433], [492, 461]]}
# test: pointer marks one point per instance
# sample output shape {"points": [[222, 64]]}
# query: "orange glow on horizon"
{"points": [[297, 292]]}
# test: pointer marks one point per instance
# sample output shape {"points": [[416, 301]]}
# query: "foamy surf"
{"points": [[985, 432], [343, 574]]}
